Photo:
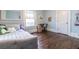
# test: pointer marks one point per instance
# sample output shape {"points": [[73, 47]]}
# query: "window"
{"points": [[30, 21]]}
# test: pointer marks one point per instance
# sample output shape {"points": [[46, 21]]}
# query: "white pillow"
{"points": [[11, 29], [17, 27]]}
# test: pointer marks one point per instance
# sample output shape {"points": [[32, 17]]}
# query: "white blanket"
{"points": [[17, 35]]}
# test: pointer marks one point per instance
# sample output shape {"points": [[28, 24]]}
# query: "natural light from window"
{"points": [[30, 21]]}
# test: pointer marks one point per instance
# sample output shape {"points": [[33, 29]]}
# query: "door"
{"points": [[62, 21]]}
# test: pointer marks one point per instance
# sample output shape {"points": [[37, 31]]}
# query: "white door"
{"points": [[62, 21]]}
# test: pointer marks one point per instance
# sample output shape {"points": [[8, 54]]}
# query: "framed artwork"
{"points": [[41, 17], [49, 19], [77, 20]]}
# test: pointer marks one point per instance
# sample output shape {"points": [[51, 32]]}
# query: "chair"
{"points": [[42, 27]]}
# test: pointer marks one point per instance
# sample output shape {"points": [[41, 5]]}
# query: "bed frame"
{"points": [[26, 44]]}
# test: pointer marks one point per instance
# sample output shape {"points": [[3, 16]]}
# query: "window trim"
{"points": [[29, 17]]}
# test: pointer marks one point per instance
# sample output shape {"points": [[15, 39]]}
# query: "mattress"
{"points": [[19, 35], [18, 39]]}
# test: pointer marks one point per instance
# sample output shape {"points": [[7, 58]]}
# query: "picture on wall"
{"points": [[49, 19], [77, 19]]}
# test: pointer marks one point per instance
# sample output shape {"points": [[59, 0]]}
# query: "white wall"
{"points": [[52, 24], [74, 30], [38, 14], [10, 22]]}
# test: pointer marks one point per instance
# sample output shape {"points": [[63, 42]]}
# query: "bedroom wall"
{"points": [[38, 14], [74, 30], [44, 14], [52, 26], [16, 22], [10, 22], [52, 23]]}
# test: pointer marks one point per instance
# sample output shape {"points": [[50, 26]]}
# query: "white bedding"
{"points": [[15, 36]]}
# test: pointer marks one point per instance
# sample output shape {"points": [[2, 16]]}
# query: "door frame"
{"points": [[68, 25]]}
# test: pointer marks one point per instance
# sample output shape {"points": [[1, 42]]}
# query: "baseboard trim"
{"points": [[74, 35], [69, 34], [52, 30]]}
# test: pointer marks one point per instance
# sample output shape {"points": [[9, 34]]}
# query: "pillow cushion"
{"points": [[11, 29], [2, 31]]}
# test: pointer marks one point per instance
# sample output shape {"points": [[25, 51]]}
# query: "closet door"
{"points": [[62, 21]]}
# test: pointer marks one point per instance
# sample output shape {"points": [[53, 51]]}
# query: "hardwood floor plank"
{"points": [[52, 40]]}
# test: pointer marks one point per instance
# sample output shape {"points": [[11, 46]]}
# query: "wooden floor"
{"points": [[52, 40]]}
